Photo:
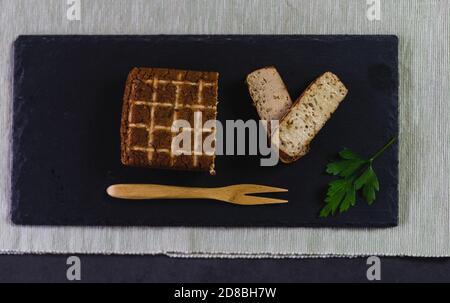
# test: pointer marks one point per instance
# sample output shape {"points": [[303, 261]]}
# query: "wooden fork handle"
{"points": [[153, 191]]}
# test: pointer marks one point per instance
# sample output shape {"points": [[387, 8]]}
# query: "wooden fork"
{"points": [[235, 194]]}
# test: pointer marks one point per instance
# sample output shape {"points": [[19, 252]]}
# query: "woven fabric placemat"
{"points": [[424, 54]]}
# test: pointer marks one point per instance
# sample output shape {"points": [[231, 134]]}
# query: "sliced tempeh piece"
{"points": [[269, 94], [308, 115]]}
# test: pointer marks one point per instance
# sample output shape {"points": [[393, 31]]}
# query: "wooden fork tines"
{"points": [[235, 194]]}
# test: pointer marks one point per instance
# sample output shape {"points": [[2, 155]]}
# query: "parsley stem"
{"points": [[381, 151]]}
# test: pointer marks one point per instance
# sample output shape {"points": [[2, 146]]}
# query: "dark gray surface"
{"points": [[52, 268], [67, 105]]}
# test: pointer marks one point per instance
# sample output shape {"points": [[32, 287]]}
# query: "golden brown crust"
{"points": [[124, 120], [285, 158]]}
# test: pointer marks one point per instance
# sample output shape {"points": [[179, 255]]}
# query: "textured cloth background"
{"points": [[423, 29]]}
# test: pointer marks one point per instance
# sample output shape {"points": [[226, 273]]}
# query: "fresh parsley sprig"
{"points": [[356, 173]]}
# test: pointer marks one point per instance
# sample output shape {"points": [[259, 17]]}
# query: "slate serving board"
{"points": [[67, 104]]}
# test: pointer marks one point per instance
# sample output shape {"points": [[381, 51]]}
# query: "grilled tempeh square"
{"points": [[154, 99]]}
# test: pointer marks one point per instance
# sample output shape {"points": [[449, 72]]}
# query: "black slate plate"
{"points": [[67, 104]]}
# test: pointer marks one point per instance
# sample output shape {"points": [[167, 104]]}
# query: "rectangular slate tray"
{"points": [[67, 104]]}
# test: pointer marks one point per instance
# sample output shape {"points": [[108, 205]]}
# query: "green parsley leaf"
{"points": [[349, 155], [345, 168], [356, 173], [370, 186]]}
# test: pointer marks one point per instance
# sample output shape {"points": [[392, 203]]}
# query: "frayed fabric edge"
{"points": [[222, 255]]}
